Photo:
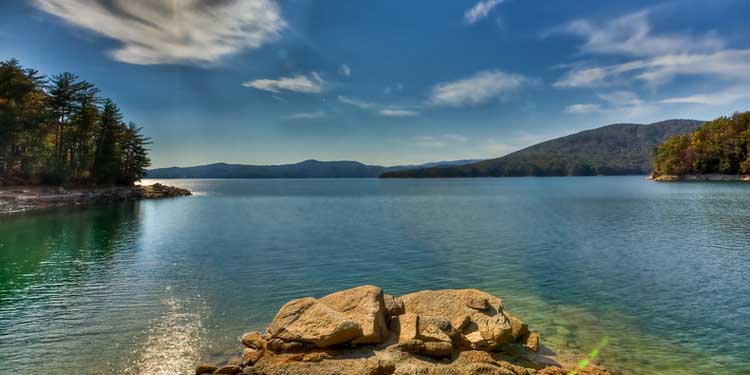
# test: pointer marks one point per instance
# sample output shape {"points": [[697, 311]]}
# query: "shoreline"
{"points": [[16, 200], [711, 177]]}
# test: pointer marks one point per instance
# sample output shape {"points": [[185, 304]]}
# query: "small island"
{"points": [[719, 150], [62, 144]]}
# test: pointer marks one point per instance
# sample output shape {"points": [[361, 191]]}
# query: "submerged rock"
{"points": [[364, 331]]}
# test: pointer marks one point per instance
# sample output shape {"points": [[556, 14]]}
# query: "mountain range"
{"points": [[618, 149], [305, 169]]}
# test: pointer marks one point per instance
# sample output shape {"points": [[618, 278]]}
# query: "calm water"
{"points": [[662, 270]]}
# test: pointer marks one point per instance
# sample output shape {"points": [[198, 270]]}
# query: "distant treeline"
{"points": [[59, 131], [718, 146]]}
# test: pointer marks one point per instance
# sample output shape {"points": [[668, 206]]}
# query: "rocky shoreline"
{"points": [[21, 199], [700, 178], [364, 331]]}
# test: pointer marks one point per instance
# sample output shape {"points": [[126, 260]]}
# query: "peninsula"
{"points": [[61, 144], [719, 150]]}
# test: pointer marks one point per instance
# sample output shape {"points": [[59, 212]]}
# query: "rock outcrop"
{"points": [[364, 331], [15, 200]]}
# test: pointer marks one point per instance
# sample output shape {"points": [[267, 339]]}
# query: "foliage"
{"points": [[719, 146], [60, 131]]}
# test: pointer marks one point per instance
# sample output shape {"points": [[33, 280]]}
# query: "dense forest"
{"points": [[618, 149], [719, 146], [58, 130]]}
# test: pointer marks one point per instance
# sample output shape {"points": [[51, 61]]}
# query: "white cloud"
{"points": [[480, 10], [298, 83], [440, 140], [362, 104], [377, 108], [476, 89], [729, 65], [390, 112], [305, 116], [720, 97], [345, 70], [631, 35], [583, 108], [582, 77], [174, 32], [659, 58], [621, 98]]}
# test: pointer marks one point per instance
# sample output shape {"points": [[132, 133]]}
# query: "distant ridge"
{"points": [[618, 149], [306, 169]]}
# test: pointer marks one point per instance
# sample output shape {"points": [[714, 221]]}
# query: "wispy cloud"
{"points": [[582, 108], [720, 97], [612, 101], [382, 110], [362, 104], [438, 141], [621, 98], [390, 112], [476, 89], [480, 10], [173, 32], [305, 116], [728, 64], [299, 83], [658, 58], [345, 70], [631, 35]]}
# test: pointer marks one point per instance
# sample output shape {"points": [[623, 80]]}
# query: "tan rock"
{"points": [[364, 305], [308, 320], [250, 356], [532, 341], [393, 305], [518, 328], [431, 328], [407, 327], [476, 315], [205, 369], [437, 349], [253, 340], [411, 346]]}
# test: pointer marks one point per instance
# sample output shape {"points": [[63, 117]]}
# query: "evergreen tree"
{"points": [[107, 162], [135, 155], [59, 132]]}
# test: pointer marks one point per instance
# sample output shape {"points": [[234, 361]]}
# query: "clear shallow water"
{"points": [[154, 287]]}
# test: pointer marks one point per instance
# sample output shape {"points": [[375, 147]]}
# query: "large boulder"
{"points": [[476, 315], [310, 321], [364, 305]]}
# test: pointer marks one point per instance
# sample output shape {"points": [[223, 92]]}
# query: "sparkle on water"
{"points": [[156, 287]]}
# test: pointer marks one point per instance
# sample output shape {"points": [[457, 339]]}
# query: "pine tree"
{"points": [[107, 161], [135, 155]]}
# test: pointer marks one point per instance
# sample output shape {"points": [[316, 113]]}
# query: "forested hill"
{"points": [[305, 169], [617, 149]]}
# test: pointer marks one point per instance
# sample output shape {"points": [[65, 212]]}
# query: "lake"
{"points": [[154, 287]]}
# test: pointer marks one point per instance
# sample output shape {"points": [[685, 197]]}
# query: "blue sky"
{"points": [[386, 82]]}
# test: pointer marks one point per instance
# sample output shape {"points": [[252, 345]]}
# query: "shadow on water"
{"points": [[33, 247]]}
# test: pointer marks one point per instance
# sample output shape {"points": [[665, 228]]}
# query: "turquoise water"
{"points": [[153, 287]]}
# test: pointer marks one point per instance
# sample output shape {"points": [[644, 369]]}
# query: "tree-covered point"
{"points": [[718, 146], [59, 131]]}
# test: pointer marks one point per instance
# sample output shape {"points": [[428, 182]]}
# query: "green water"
{"points": [[155, 287]]}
